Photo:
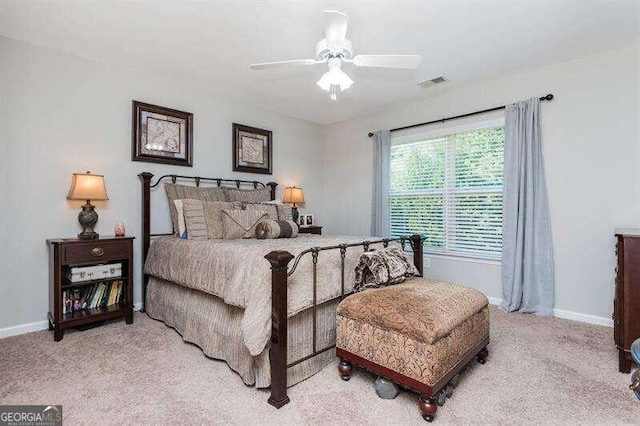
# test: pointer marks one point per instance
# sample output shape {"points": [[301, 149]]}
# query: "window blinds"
{"points": [[449, 189]]}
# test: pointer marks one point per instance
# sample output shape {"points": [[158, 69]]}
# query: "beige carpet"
{"points": [[539, 370]]}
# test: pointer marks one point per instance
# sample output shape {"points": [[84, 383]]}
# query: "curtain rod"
{"points": [[442, 120]]}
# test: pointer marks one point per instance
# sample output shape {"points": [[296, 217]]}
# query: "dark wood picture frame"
{"points": [[237, 165], [138, 153]]}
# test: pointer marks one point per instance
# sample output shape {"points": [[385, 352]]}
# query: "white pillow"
{"points": [[182, 225]]}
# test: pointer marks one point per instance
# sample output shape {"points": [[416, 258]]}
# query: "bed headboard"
{"points": [[148, 184]]}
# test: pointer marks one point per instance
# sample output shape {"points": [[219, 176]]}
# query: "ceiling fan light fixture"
{"points": [[334, 49], [334, 79]]}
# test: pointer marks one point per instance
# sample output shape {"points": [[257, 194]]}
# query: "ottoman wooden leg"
{"points": [[428, 407], [345, 368], [482, 356]]}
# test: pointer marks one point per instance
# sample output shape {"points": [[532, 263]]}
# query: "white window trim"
{"points": [[440, 133], [461, 258], [446, 131]]}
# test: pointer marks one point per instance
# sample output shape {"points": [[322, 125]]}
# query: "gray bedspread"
{"points": [[237, 272]]}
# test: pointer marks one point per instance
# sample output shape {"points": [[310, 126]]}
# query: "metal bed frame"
{"points": [[280, 272]]}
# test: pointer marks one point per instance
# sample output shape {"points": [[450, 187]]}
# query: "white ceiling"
{"points": [[211, 44]]}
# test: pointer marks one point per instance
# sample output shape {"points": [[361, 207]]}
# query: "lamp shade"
{"points": [[334, 77], [293, 195], [87, 186]]}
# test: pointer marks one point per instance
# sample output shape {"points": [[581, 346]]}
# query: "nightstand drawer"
{"points": [[97, 251]]}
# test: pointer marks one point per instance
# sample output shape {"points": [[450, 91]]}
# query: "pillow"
{"points": [[284, 210], [213, 217], [194, 219], [241, 223], [272, 211], [247, 195], [204, 218], [383, 267], [179, 192], [276, 229], [182, 226]]}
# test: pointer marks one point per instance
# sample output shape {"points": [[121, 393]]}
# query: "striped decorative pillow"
{"points": [[179, 192], [194, 219], [284, 210], [213, 217], [247, 195], [272, 211]]}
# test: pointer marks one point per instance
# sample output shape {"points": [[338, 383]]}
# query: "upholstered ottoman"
{"points": [[419, 334]]}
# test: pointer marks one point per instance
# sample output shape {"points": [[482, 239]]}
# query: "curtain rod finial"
{"points": [[548, 97], [370, 134]]}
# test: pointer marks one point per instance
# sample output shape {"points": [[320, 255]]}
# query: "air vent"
{"points": [[433, 81]]}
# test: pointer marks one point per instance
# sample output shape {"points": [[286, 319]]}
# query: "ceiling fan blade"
{"points": [[335, 28], [284, 64], [387, 61]]}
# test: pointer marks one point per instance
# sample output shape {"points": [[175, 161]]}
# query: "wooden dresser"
{"points": [[626, 305]]}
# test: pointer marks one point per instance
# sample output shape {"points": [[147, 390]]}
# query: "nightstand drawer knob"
{"points": [[97, 252]]}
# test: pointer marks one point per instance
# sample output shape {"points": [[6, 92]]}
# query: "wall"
{"points": [[61, 114], [592, 160]]}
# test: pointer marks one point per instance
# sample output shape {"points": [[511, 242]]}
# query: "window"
{"points": [[449, 189]]}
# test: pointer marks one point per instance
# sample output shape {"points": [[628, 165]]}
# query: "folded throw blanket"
{"points": [[381, 268]]}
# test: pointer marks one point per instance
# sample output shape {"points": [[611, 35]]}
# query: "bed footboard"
{"points": [[280, 272]]}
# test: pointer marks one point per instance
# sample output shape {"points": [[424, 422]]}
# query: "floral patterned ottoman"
{"points": [[419, 334]]}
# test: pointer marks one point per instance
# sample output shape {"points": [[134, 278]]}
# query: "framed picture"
{"points": [[161, 135], [251, 149], [302, 220], [309, 219]]}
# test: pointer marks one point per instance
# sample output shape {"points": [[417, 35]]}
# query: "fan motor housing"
{"points": [[324, 51]]}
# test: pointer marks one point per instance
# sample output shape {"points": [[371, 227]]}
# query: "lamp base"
{"points": [[88, 235], [294, 213], [88, 219]]}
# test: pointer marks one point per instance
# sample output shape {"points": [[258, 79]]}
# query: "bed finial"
{"points": [[145, 176], [273, 186]]}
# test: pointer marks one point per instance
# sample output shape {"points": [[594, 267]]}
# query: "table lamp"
{"points": [[293, 196], [87, 186]]}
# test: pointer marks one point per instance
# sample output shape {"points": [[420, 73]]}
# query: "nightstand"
{"points": [[311, 229], [97, 295]]}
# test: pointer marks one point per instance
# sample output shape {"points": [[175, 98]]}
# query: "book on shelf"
{"points": [[105, 295], [115, 290], [99, 295]]}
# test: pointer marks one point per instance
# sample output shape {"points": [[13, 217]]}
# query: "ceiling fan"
{"points": [[335, 49]]}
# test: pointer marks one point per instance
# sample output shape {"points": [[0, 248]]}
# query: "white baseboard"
{"points": [[494, 300], [570, 315], [576, 316], [558, 313], [23, 328], [36, 326]]}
